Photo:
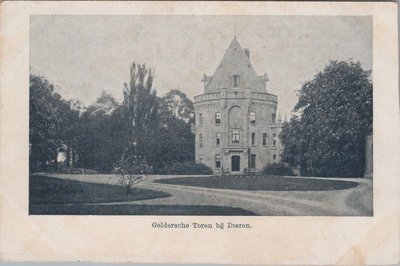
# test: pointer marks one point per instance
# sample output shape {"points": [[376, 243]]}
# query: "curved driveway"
{"points": [[355, 201]]}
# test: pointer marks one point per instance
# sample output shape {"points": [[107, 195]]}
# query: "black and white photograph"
{"points": [[201, 115], [199, 132]]}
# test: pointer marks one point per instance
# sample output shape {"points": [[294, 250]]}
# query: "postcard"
{"points": [[199, 132]]}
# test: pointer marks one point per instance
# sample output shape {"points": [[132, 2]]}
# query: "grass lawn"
{"points": [[272, 183], [49, 190], [133, 209]]}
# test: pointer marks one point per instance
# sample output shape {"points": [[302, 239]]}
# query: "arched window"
{"points": [[274, 139], [200, 140]]}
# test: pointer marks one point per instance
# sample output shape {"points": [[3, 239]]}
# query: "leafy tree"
{"points": [[173, 140], [44, 122], [179, 105], [335, 114], [107, 136], [290, 136], [102, 134]]}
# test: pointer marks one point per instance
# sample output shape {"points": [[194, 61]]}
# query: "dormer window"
{"points": [[236, 81]]}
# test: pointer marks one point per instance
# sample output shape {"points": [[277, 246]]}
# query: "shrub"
{"points": [[62, 169], [189, 168], [131, 170], [277, 169]]}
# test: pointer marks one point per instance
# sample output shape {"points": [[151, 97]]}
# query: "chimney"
{"points": [[247, 51]]}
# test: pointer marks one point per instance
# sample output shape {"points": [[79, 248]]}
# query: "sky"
{"points": [[84, 55]]}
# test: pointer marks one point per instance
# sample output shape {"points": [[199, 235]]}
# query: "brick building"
{"points": [[236, 125]]}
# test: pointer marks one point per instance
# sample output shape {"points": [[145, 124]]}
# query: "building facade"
{"points": [[369, 155], [236, 124]]}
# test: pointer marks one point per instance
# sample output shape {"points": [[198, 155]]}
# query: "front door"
{"points": [[252, 161], [235, 163]]}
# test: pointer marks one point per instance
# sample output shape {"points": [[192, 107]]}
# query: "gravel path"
{"points": [[355, 201]]}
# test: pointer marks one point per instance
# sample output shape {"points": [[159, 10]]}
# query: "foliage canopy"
{"points": [[326, 137], [106, 135]]}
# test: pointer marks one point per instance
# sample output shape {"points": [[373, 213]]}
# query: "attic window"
{"points": [[236, 81]]}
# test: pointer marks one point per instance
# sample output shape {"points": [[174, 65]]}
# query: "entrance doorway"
{"points": [[252, 162], [235, 163]]}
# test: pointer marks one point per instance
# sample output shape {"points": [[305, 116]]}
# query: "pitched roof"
{"points": [[235, 62]]}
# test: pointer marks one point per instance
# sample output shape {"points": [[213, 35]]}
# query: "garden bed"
{"points": [[270, 183]]}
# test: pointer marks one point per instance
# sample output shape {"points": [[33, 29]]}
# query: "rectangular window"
{"points": [[235, 136], [274, 139], [200, 140], [218, 118], [201, 158], [274, 158], [217, 161], [253, 138], [218, 139], [253, 118], [253, 161], [273, 118], [264, 139], [236, 81]]}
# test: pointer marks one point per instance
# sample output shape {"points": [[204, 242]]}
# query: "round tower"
{"points": [[236, 128]]}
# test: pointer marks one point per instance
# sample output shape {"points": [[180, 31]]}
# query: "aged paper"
{"points": [[275, 240]]}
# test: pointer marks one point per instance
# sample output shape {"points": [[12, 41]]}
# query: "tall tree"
{"points": [[335, 114], [44, 122], [140, 105]]}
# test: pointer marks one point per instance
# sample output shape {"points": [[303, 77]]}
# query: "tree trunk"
{"points": [[56, 164], [73, 157], [68, 156]]}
